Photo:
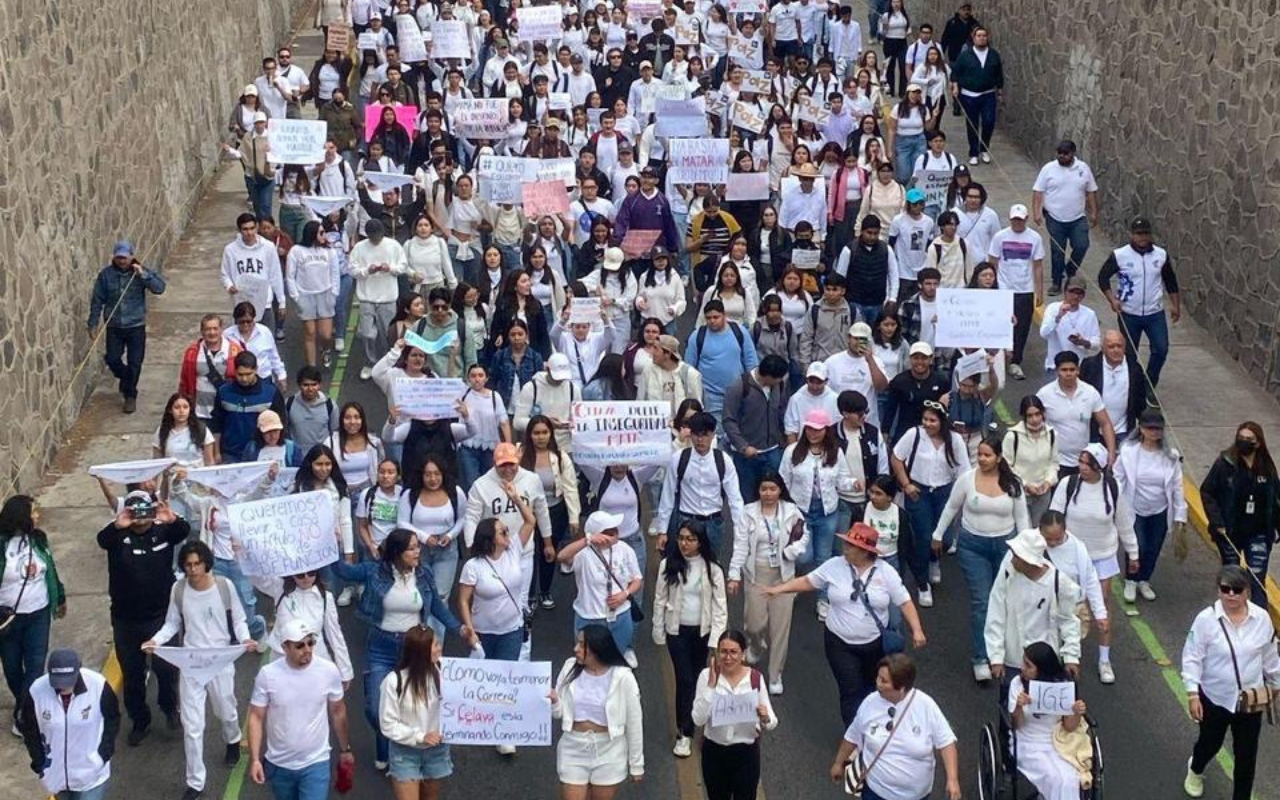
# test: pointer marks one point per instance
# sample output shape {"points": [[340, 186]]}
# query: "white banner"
{"points": [[584, 310], [428, 398], [284, 536], [132, 471], [558, 169], [728, 708], [449, 39], [633, 433], [502, 176], [678, 118], [699, 161], [431, 348], [323, 206], [201, 663], [387, 181], [480, 118], [230, 480], [297, 141], [367, 41], [975, 318], [1054, 699], [747, 186], [540, 23], [484, 702], [409, 39], [973, 364], [747, 6]]}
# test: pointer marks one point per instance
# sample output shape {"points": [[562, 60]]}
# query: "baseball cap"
{"points": [[552, 122], [915, 196], [505, 453], [1099, 453], [64, 669], [259, 117], [601, 521], [269, 421], [914, 87], [1075, 282], [558, 366], [613, 258], [817, 369], [860, 330], [648, 172], [1150, 418], [646, 64], [921, 349], [296, 630], [1017, 211], [817, 418], [576, 58], [250, 90], [1140, 224], [122, 248], [669, 343], [659, 252], [625, 148], [138, 496]]}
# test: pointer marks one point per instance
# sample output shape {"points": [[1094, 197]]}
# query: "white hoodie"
{"points": [[254, 272], [377, 287]]}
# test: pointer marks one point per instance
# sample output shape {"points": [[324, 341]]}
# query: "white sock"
{"points": [[1104, 654]]}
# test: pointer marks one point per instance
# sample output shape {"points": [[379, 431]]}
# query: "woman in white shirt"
{"points": [[899, 757], [304, 596], [489, 586], [1031, 448], [358, 451], [617, 288], [257, 338], [689, 611], [906, 132], [737, 297], [795, 300], [436, 512], [933, 76], [731, 752], [427, 255], [607, 578], [661, 293], [1039, 761], [988, 501], [597, 701], [319, 472], [377, 508], [765, 550], [541, 455], [1099, 515], [463, 217], [1230, 649], [313, 272], [177, 438], [618, 492], [861, 589], [492, 426], [409, 718], [1149, 473]]}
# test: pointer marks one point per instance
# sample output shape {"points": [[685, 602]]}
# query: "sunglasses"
{"points": [[1231, 589], [935, 405], [893, 710], [302, 575], [305, 644]]}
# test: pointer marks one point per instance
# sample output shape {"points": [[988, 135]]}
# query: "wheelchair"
{"points": [[998, 776]]}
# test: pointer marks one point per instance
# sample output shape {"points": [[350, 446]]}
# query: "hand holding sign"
{"points": [[1053, 699]]}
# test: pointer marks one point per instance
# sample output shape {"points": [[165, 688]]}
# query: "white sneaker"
{"points": [[951, 551], [775, 687], [823, 608], [1015, 372], [982, 672], [366, 373], [1193, 784], [935, 573], [630, 658], [986, 158], [339, 344], [973, 162], [380, 766], [506, 749], [1106, 674], [683, 748], [1145, 591], [1130, 591], [925, 598], [344, 599], [15, 730]]}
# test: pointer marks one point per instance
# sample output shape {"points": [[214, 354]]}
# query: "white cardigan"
{"points": [[403, 718], [621, 707], [668, 600], [747, 537], [799, 479], [1171, 476]]}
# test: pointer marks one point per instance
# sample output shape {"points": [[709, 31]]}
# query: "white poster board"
{"points": [[502, 176], [634, 433], [409, 39], [428, 398], [677, 118], [296, 141], [934, 183], [747, 186], [485, 118], [584, 311], [449, 39], [485, 702], [699, 161], [728, 708], [540, 23], [283, 536], [974, 363], [1054, 699], [975, 318]]}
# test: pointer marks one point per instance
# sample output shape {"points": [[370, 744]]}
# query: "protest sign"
{"points": [[729, 708], [485, 702], [540, 23], [758, 82], [747, 117], [638, 242], [296, 141], [747, 6], [405, 115], [806, 259], [449, 39], [200, 663], [338, 37], [324, 206], [387, 181], [747, 186], [501, 177], [745, 51], [715, 103], [367, 41], [286, 535], [973, 364], [434, 346], [699, 160], [617, 432], [481, 118], [686, 31], [409, 39], [1054, 699], [428, 398], [584, 310], [230, 480], [560, 101], [558, 169], [545, 197], [934, 183], [645, 9], [132, 471], [807, 108], [672, 91], [974, 318], [678, 118]]}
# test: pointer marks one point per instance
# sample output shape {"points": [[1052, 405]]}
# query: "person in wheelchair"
{"points": [[1050, 750]]}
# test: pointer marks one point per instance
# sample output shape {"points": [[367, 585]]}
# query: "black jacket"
{"points": [[1221, 493], [780, 246], [1091, 373], [972, 75], [614, 83], [956, 35], [140, 568]]}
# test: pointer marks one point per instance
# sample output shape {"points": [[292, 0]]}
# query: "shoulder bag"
{"points": [[855, 772], [525, 614], [637, 613], [9, 614], [890, 639], [1250, 701]]}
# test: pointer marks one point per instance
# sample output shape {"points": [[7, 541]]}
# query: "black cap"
{"points": [[659, 252], [648, 172], [1140, 224], [1150, 418], [64, 669]]}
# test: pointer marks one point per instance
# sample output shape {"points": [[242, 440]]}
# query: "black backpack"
{"points": [[702, 337]]}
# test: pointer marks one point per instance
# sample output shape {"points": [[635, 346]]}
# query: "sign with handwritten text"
{"points": [[428, 398], [1054, 699], [481, 118], [729, 708], [584, 310], [297, 141], [699, 160], [486, 702], [617, 432], [545, 197], [338, 38], [284, 535], [450, 39], [975, 318]]}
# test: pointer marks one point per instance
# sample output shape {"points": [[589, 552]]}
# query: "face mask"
{"points": [[1246, 447]]}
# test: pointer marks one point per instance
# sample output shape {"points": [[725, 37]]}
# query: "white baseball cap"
{"points": [[296, 630], [558, 367], [601, 521], [1018, 211]]}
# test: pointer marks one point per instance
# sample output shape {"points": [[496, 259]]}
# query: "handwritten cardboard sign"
{"points": [[367, 41], [501, 177], [481, 118], [584, 310], [729, 708], [338, 38], [286, 535], [699, 160], [634, 433], [409, 39], [975, 318], [540, 23], [428, 398], [934, 183], [486, 702]]}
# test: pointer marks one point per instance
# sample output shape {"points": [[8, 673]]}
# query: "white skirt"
{"points": [[583, 757], [1052, 776]]}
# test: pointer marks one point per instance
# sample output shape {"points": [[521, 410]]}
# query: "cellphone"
{"points": [[143, 510]]}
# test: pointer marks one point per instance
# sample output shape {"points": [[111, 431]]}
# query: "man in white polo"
{"points": [[1064, 200], [1069, 406]]}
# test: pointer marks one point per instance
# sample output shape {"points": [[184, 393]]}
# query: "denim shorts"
{"points": [[419, 763]]}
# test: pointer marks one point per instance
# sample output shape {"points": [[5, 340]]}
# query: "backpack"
{"points": [[682, 466], [324, 615], [493, 396], [534, 410], [413, 500], [1016, 436], [964, 255], [328, 411], [224, 592], [757, 328], [702, 337], [607, 481], [1110, 492]]}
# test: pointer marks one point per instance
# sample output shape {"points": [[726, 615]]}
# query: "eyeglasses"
{"points": [[439, 306], [1230, 589], [730, 653]]}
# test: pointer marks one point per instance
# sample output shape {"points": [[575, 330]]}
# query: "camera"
{"points": [[143, 510]]}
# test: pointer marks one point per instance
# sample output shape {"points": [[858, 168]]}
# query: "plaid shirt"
{"points": [[909, 317]]}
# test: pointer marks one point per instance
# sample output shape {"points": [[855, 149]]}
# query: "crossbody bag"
{"points": [[855, 772], [9, 614], [890, 639], [637, 613], [1250, 701], [525, 614]]}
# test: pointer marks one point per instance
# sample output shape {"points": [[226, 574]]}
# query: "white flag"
{"points": [[200, 663], [230, 480], [386, 181], [323, 206], [132, 471]]}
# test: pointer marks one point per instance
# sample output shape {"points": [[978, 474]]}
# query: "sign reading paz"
{"points": [[486, 702], [285, 535], [975, 318], [615, 432]]}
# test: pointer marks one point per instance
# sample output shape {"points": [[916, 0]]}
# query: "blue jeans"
{"points": [[23, 649], [874, 9], [845, 513], [638, 544], [822, 537], [1150, 532], [381, 654], [309, 783], [472, 463], [132, 341], [444, 565], [502, 646], [924, 515], [714, 526], [230, 569], [980, 558], [905, 151], [96, 793], [1157, 330], [870, 313], [751, 470], [622, 628], [980, 121], [466, 269], [259, 190], [1061, 235]]}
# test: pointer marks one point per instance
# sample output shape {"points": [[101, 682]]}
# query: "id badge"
{"points": [[1249, 506], [775, 558], [611, 616]]}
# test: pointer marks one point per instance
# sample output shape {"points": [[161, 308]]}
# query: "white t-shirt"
{"points": [[594, 583], [845, 371], [381, 513], [180, 446], [784, 17], [886, 525], [1065, 189], [17, 555], [493, 609], [297, 703], [1017, 252], [910, 238], [907, 766], [848, 618], [1070, 417], [912, 124]]}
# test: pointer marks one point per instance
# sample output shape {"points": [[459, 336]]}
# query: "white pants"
{"points": [[191, 696], [1049, 772]]}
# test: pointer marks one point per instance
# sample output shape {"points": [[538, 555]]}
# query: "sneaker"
{"points": [[232, 756], [366, 373], [1193, 784], [546, 602], [280, 334], [630, 658], [955, 545], [775, 687], [192, 794], [973, 161], [982, 672], [986, 158], [138, 733], [1015, 372], [173, 719], [1055, 289], [130, 405], [823, 608], [925, 598], [506, 749], [683, 748], [1130, 591], [344, 599], [1106, 674], [326, 359], [1145, 591], [339, 344], [380, 766], [935, 573], [565, 569]]}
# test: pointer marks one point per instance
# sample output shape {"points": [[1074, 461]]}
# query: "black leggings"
{"points": [[895, 66], [730, 772], [559, 514], [1245, 729], [688, 651]]}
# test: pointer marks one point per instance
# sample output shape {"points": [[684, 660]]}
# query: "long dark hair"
{"points": [[15, 518], [610, 370], [1049, 667], [1262, 462], [981, 267], [830, 448], [395, 545], [459, 303], [894, 341], [597, 639], [305, 480], [194, 424], [676, 569], [416, 664], [311, 235], [342, 429], [290, 586], [528, 452], [944, 430], [1010, 484]]}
